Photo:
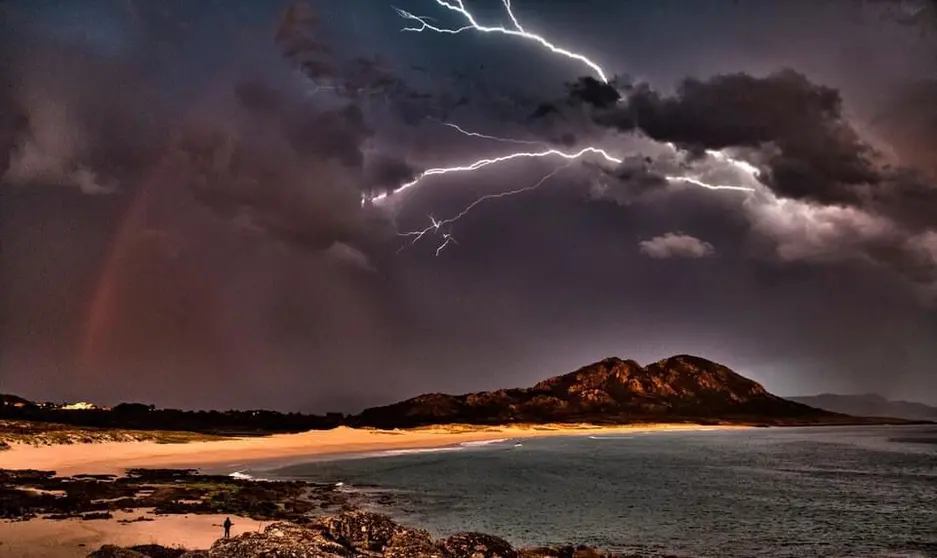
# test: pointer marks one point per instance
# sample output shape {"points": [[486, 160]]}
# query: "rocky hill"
{"points": [[680, 388]]}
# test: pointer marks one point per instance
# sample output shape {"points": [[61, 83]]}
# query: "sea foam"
{"points": [[388, 453], [481, 443]]}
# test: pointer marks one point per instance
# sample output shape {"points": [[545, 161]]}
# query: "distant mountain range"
{"points": [[612, 391], [869, 405]]}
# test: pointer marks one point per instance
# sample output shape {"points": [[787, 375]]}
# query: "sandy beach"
{"points": [[115, 457], [74, 538]]}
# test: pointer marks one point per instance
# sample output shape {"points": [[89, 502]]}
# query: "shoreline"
{"points": [[75, 537], [234, 453]]}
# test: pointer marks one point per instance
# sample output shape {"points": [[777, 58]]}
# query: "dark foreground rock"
{"points": [[145, 551], [26, 494], [111, 551], [280, 539], [352, 534]]}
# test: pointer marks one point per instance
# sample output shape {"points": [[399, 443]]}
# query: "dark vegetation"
{"points": [[138, 416], [50, 433]]}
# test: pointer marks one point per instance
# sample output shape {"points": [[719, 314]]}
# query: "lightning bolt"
{"points": [[447, 237], [437, 226], [465, 132], [743, 166], [458, 6], [482, 163]]}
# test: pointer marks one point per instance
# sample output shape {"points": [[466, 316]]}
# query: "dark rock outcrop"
{"points": [[613, 390], [362, 530], [478, 545], [157, 551], [413, 543], [280, 540], [25, 494], [111, 551], [352, 534]]}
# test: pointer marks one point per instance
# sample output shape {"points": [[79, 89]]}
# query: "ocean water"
{"points": [[844, 491]]}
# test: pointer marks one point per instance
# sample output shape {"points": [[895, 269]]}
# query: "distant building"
{"points": [[80, 406]]}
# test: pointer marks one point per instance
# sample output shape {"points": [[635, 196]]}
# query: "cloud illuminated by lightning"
{"points": [[437, 226], [458, 6], [481, 163]]}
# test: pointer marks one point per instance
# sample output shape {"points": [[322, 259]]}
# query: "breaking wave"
{"points": [[388, 453], [481, 443], [241, 475]]}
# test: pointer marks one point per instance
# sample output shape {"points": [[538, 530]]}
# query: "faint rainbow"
{"points": [[103, 299]]}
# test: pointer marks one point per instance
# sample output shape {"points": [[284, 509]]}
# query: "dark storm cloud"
{"points": [[362, 79], [296, 37], [808, 151], [635, 178], [263, 175], [256, 96], [251, 149], [855, 204], [337, 134], [62, 131], [909, 119], [387, 172]]}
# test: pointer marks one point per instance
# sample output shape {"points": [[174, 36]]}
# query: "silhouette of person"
{"points": [[227, 527]]}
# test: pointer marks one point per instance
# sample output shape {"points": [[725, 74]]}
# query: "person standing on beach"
{"points": [[227, 527]]}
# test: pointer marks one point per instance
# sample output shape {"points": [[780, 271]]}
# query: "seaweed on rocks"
{"points": [[26, 494], [478, 545]]}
